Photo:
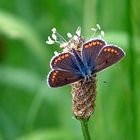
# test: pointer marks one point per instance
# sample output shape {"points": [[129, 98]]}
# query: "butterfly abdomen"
{"points": [[84, 70]]}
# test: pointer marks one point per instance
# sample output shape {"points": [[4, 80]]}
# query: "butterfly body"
{"points": [[73, 66], [83, 68]]}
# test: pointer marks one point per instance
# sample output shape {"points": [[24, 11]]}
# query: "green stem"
{"points": [[131, 35], [85, 130]]}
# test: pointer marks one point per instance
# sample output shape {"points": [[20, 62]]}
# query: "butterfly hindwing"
{"points": [[90, 51], [64, 61], [58, 78], [109, 55]]}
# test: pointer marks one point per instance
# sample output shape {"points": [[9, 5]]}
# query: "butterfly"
{"points": [[70, 67]]}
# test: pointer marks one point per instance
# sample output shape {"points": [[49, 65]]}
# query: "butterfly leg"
{"points": [[87, 78]]}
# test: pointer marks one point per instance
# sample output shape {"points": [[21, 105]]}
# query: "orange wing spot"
{"points": [[55, 61], [115, 51], [112, 50], [101, 44], [105, 50], [52, 80], [86, 46], [53, 76], [59, 58], [109, 49], [98, 43], [66, 55], [62, 57], [90, 44], [94, 43], [56, 72]]}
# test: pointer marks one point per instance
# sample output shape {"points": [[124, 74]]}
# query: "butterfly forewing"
{"points": [[91, 50], [64, 61], [108, 56], [58, 78]]}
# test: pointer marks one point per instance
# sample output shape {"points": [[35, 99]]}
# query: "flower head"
{"points": [[69, 35], [97, 32], [73, 42], [50, 41], [102, 33], [54, 37], [98, 26], [78, 31], [54, 30]]}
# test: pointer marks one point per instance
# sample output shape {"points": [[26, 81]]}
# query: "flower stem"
{"points": [[85, 130]]}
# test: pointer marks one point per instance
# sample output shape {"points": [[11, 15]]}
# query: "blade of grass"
{"points": [[14, 28], [131, 34]]}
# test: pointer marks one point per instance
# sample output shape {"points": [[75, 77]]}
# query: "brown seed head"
{"points": [[83, 98]]}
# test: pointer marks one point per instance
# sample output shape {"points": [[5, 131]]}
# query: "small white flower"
{"points": [[64, 45], [72, 45], [50, 41], [56, 53], [65, 50], [93, 29], [102, 33], [54, 30], [54, 36], [75, 37], [98, 26], [78, 31], [69, 35]]}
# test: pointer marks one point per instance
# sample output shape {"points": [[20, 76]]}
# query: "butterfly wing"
{"points": [[108, 56], [90, 51], [57, 78], [64, 61]]}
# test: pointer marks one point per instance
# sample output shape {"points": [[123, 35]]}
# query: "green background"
{"points": [[29, 110]]}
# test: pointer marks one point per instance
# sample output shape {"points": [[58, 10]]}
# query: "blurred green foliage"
{"points": [[29, 110]]}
